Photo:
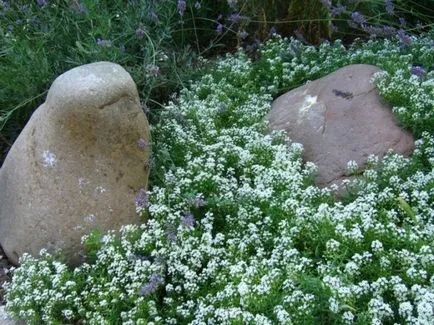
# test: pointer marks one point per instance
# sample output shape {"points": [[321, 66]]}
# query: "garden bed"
{"points": [[235, 230]]}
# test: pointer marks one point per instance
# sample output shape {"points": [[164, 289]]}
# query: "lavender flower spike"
{"points": [[187, 220], [154, 17], [390, 8], [140, 32], [404, 38], [182, 5], [103, 42], [219, 28], [358, 18], [155, 281], [243, 34], [142, 199], [418, 70]]}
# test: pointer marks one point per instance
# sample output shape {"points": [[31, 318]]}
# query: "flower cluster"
{"points": [[235, 230]]}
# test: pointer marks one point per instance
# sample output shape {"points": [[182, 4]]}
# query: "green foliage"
{"points": [[235, 234], [161, 48], [150, 39], [92, 244], [236, 231]]}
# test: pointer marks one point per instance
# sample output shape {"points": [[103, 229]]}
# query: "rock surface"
{"points": [[339, 118], [77, 164]]}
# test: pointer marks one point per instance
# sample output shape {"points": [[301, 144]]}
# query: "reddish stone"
{"points": [[339, 118]]}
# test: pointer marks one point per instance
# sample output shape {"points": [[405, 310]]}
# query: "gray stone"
{"points": [[339, 118], [6, 319], [77, 165]]}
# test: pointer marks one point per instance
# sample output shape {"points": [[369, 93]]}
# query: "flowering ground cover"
{"points": [[235, 230]]}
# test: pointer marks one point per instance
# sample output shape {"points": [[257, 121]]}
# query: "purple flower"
{"points": [[197, 202], [171, 233], [4, 4], [137, 257], [243, 34], [379, 31], [373, 30], [299, 35], [358, 18], [103, 42], [272, 31], [25, 8], [389, 30], [145, 108], [182, 5], [142, 199], [236, 18], [35, 21], [187, 220], [253, 46], [334, 28], [154, 16], [219, 28], [402, 21], [197, 5], [82, 8], [222, 107], [142, 143], [326, 3], [404, 38], [140, 32], [41, 3], [418, 70], [295, 49], [390, 8], [154, 282], [179, 117], [152, 70], [340, 9]]}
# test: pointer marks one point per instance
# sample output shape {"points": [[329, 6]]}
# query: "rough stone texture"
{"points": [[77, 164], [338, 118]]}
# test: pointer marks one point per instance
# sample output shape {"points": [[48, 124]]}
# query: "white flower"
{"points": [[348, 317], [48, 159], [333, 305], [352, 166], [377, 246], [243, 289], [405, 310]]}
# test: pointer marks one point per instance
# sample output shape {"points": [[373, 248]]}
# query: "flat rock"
{"points": [[77, 165], [339, 118]]}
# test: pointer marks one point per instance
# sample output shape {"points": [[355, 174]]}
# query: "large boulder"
{"points": [[339, 118], [77, 164]]}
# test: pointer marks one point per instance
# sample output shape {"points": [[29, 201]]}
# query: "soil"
{"points": [[5, 275]]}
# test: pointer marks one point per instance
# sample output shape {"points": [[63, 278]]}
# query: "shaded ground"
{"points": [[4, 274]]}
